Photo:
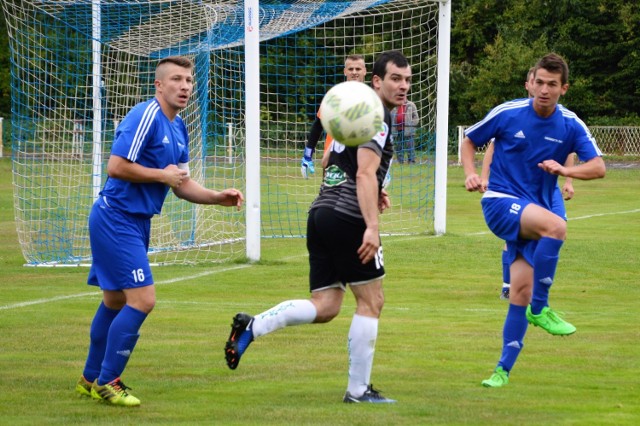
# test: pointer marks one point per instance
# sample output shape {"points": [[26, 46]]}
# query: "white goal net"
{"points": [[78, 66]]}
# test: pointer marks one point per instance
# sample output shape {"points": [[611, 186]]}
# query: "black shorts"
{"points": [[333, 241]]}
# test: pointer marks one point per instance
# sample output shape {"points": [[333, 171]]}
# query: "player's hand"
{"points": [[567, 191], [370, 246], [484, 185], [553, 167], [231, 197], [384, 202], [306, 167], [473, 183], [174, 176]]}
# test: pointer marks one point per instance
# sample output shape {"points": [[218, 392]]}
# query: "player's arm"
{"points": [[306, 165], [367, 189], [486, 164], [567, 188], [326, 155], [123, 169], [467, 155], [592, 169], [192, 191]]}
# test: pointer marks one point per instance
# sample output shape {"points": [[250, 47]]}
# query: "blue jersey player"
{"points": [[566, 193], [150, 154], [532, 138]]}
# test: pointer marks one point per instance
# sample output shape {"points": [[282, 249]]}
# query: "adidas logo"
{"points": [[514, 344], [165, 140], [519, 135], [126, 353], [547, 281]]}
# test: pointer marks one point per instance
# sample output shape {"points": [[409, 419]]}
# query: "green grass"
{"points": [[439, 337]]}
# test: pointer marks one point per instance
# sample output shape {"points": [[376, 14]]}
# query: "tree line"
{"points": [[495, 42]]}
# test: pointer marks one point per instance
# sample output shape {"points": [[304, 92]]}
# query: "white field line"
{"points": [[217, 271]]}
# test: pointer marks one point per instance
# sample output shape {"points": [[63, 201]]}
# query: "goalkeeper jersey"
{"points": [[147, 137], [522, 140], [338, 190]]}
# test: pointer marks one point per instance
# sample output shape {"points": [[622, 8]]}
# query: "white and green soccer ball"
{"points": [[351, 113]]}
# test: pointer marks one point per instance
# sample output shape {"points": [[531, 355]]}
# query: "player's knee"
{"points": [[145, 304], [557, 229], [372, 307], [326, 313]]}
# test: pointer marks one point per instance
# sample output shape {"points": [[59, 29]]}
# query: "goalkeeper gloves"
{"points": [[306, 165]]}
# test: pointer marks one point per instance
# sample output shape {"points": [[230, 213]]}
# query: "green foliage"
{"points": [[598, 38], [493, 44]]}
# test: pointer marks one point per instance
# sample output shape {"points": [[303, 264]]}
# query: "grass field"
{"points": [[439, 336]]}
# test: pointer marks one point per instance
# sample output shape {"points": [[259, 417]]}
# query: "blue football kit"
{"points": [[522, 140], [120, 219]]}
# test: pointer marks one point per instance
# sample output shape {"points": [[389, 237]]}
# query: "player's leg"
{"points": [[549, 230], [323, 306], [104, 316], [363, 334], [121, 341], [327, 293], [120, 265], [506, 278], [541, 298], [366, 285], [502, 216], [515, 324]]}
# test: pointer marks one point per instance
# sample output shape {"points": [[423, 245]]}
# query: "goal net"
{"points": [[78, 66]]}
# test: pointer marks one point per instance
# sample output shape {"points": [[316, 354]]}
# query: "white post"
{"points": [[230, 143], [442, 118], [252, 123], [97, 101], [460, 138]]}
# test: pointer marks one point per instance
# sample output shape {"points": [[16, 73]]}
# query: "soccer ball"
{"points": [[351, 113]]}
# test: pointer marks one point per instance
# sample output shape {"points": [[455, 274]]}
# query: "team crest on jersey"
{"points": [[334, 176]]}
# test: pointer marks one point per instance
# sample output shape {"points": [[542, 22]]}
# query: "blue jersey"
{"points": [[522, 140], [147, 137]]}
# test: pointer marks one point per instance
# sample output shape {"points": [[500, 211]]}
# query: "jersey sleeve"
{"points": [[131, 134], [485, 130], [585, 144]]}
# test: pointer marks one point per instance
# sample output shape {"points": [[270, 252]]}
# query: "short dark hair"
{"points": [[394, 56], [181, 61], [555, 64]]}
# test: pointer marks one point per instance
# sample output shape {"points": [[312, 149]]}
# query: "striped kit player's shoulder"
{"points": [[504, 107], [148, 115]]}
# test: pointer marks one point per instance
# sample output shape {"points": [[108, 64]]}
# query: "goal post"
{"points": [[78, 66]]}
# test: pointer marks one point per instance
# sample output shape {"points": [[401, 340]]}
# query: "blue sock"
{"points": [[98, 334], [122, 338], [515, 327], [545, 262], [506, 274]]}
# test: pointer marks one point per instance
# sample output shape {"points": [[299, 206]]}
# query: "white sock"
{"points": [[291, 312], [362, 345]]}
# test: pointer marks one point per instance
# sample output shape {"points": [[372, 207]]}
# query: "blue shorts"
{"points": [[119, 245], [503, 218], [557, 204], [502, 215]]}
